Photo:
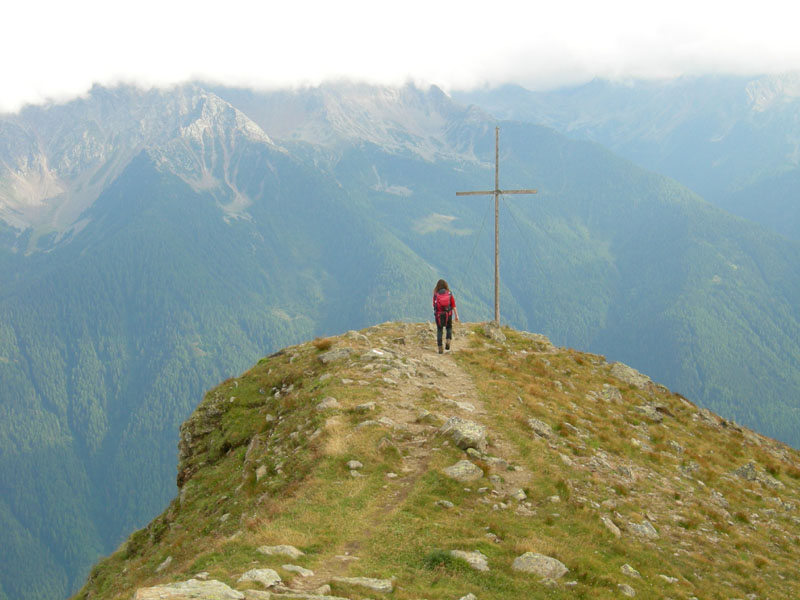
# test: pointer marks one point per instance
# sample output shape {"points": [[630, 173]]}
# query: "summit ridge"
{"points": [[366, 465]]}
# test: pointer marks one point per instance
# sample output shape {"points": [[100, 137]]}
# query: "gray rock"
{"points": [[303, 572], [366, 407], [629, 571], [385, 586], [257, 595], [354, 464], [167, 562], [327, 403], [747, 472], [464, 471], [540, 428], [281, 550], [611, 526], [477, 560], [492, 330], [630, 375], [469, 597], [650, 412], [261, 472], [465, 434], [335, 354], [538, 564], [644, 530], [444, 504], [266, 577], [203, 590], [626, 590], [668, 579]]}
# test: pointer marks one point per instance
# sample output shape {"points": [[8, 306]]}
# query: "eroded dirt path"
{"points": [[414, 380]]}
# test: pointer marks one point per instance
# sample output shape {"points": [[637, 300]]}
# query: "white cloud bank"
{"points": [[55, 49]]}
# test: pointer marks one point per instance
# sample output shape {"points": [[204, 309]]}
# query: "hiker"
{"points": [[444, 308]]}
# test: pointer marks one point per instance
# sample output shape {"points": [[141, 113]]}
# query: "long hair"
{"points": [[441, 284]]}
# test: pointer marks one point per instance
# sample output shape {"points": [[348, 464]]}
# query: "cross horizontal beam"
{"points": [[492, 192]]}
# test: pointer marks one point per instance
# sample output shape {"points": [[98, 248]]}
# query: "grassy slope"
{"points": [[604, 458]]}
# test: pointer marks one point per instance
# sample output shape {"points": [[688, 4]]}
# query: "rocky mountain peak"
{"points": [[367, 464]]}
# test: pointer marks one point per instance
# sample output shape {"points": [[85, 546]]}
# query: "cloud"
{"points": [[62, 48]]}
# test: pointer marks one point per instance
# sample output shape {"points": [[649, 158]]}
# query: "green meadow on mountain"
{"points": [[367, 466], [154, 243]]}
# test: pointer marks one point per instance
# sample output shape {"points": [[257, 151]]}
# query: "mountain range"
{"points": [[153, 243]]}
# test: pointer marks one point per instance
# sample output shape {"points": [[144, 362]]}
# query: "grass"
{"points": [[310, 499]]}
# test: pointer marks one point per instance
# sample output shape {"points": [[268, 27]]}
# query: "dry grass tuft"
{"points": [[322, 344]]}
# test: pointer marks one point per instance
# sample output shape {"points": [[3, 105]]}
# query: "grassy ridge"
{"points": [[263, 465]]}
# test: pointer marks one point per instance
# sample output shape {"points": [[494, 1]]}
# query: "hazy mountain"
{"points": [[156, 242], [734, 140]]}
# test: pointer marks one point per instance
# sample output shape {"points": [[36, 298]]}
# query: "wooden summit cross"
{"points": [[496, 192]]}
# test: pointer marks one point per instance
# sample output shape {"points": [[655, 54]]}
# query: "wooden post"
{"points": [[496, 193]]}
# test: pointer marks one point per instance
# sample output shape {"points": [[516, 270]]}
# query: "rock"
{"points": [[469, 597], [261, 472], [650, 412], [281, 550], [444, 504], [476, 560], [630, 375], [540, 428], [626, 590], [203, 590], [464, 471], [354, 464], [366, 407], [669, 579], [327, 403], [465, 434], [519, 495], [266, 577], [747, 472], [611, 526], [299, 570], [385, 586], [611, 394], [645, 530], [167, 562], [257, 595], [629, 571], [538, 338], [538, 564], [492, 331], [334, 355]]}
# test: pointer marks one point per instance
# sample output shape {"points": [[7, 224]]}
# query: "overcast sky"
{"points": [[57, 49]]}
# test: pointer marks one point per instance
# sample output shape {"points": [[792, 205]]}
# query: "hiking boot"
{"points": [[447, 346], [440, 350]]}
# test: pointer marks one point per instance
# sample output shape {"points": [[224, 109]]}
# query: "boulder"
{"points": [[334, 355], [384, 586], [266, 577], [281, 550], [540, 428], [464, 471], [539, 564], [465, 434], [194, 588], [630, 375], [476, 560]]}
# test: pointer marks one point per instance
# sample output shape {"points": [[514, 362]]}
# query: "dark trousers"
{"points": [[444, 320]]}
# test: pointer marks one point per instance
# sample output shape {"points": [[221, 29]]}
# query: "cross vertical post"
{"points": [[496, 193]]}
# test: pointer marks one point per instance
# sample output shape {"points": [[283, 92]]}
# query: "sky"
{"points": [[54, 50]]}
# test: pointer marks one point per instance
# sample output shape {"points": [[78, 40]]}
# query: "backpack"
{"points": [[444, 303]]}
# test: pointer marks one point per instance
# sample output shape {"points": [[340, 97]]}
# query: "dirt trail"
{"points": [[437, 379]]}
